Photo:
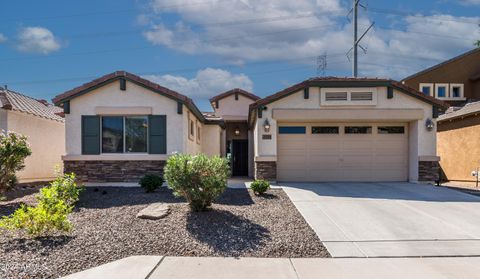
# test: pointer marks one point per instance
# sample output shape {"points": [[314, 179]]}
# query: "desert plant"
{"points": [[260, 186], [199, 179], [55, 203], [151, 182], [14, 149]]}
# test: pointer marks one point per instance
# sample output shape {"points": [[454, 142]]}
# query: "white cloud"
{"points": [[3, 38], [207, 83], [37, 40], [307, 28]]}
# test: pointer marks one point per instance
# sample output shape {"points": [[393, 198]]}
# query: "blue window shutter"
{"points": [[157, 131], [90, 134]]}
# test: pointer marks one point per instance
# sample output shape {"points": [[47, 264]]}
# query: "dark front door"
{"points": [[240, 157]]}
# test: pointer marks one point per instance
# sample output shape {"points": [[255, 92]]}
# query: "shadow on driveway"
{"points": [[384, 190]]}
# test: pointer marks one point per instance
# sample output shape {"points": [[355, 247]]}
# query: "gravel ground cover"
{"points": [[239, 224]]}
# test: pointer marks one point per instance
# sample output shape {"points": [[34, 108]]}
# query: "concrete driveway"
{"points": [[389, 219]]}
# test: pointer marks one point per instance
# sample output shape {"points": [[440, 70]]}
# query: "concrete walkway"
{"points": [[157, 267], [389, 219]]}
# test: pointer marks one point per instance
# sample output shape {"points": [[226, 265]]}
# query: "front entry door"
{"points": [[240, 157]]}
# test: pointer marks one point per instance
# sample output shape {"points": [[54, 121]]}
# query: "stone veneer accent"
{"points": [[113, 171], [428, 170], [266, 170]]}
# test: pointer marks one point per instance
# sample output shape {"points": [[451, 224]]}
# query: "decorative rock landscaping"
{"points": [[154, 211], [239, 224]]}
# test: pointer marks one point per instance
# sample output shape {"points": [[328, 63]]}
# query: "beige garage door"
{"points": [[342, 152]]}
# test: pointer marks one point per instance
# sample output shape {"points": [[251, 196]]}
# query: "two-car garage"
{"points": [[342, 152]]}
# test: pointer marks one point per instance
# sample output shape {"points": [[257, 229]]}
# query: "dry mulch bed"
{"points": [[239, 224]]}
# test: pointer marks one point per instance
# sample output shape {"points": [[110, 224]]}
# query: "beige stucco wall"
{"points": [[3, 120], [135, 96], [459, 147], [421, 141], [192, 145], [231, 109], [47, 141], [211, 140]]}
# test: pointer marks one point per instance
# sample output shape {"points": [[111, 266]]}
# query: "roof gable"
{"points": [[233, 92]]}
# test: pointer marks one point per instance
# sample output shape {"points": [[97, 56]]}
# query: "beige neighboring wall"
{"points": [[458, 144], [136, 97], [192, 144], [47, 141], [3, 120], [421, 141]]}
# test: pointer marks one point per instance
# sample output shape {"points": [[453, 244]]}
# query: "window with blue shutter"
{"points": [[90, 134], [157, 131]]}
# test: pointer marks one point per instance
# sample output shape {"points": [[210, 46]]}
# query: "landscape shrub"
{"points": [[199, 179], [260, 186], [151, 182], [55, 203], [14, 149]]}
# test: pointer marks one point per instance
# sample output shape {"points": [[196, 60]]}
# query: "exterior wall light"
{"points": [[266, 126], [237, 131], [429, 124]]}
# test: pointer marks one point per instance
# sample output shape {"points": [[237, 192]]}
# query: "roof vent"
{"points": [[44, 102]]}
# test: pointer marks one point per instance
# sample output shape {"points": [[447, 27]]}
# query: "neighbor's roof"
{"points": [[11, 100], [106, 79], [232, 92], [467, 110], [348, 82], [473, 51]]}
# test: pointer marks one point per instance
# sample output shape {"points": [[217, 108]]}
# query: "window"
{"points": [[127, 134], [112, 134], [358, 129], [391, 130], [191, 133], [336, 96], [426, 88], [456, 90], [198, 133], [325, 130], [441, 90], [361, 96], [292, 130]]}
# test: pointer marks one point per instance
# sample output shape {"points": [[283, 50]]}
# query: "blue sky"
{"points": [[203, 47]]}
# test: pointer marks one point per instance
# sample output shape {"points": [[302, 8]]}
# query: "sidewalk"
{"points": [[158, 267]]}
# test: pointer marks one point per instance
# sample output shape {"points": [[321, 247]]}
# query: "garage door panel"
{"points": [[343, 157]]}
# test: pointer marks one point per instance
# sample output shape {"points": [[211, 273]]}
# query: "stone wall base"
{"points": [[428, 171], [266, 170], [113, 171]]}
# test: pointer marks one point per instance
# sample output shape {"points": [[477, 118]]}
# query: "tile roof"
{"points": [[467, 110], [11, 100], [233, 91]]}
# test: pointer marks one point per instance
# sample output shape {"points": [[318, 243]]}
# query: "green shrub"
{"points": [[260, 186], [151, 182], [14, 149], [55, 203], [199, 179]]}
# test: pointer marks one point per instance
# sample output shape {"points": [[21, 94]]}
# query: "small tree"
{"points": [[14, 149], [199, 179]]}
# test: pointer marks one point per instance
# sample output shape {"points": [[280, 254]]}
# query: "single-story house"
{"points": [[44, 128], [458, 142], [121, 126]]}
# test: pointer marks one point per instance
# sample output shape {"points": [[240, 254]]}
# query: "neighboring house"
{"points": [[455, 81], [120, 127], [458, 142], [232, 107], [44, 128], [346, 129]]}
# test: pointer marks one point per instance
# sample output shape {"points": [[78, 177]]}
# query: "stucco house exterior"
{"points": [[44, 128], [458, 143], [455, 81], [120, 127]]}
